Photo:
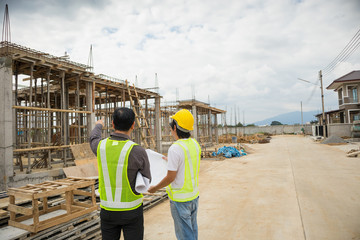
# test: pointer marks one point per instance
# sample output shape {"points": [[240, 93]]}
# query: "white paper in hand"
{"points": [[158, 166]]}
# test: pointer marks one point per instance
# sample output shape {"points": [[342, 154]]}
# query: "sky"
{"points": [[245, 55]]}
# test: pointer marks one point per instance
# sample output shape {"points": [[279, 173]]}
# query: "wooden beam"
{"points": [[39, 148], [50, 109]]}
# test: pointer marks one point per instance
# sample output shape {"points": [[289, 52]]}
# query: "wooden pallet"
{"points": [[39, 193], [84, 227], [152, 199]]}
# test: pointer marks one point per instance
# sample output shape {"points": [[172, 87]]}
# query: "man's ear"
{"points": [[133, 125], [112, 122]]}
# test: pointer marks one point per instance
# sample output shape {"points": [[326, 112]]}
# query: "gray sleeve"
{"points": [[95, 138], [142, 160]]}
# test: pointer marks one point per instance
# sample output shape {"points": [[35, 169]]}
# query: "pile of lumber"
{"points": [[254, 138]]}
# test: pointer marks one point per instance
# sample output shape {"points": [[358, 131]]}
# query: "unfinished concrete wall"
{"points": [[6, 122], [279, 129], [340, 130]]}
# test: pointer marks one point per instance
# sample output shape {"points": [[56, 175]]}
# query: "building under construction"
{"points": [[205, 120], [59, 106]]}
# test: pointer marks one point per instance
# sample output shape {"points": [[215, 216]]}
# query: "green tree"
{"points": [[239, 124], [273, 123]]}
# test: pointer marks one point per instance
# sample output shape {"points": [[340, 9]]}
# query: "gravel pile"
{"points": [[333, 140]]}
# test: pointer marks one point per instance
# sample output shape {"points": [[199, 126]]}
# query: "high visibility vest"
{"points": [[114, 187], [190, 189]]}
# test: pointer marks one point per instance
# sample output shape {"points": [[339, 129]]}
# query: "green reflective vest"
{"points": [[114, 187], [190, 189]]}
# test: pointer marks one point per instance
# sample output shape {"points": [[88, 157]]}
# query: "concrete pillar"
{"points": [[158, 125], [49, 116], [216, 130], [31, 118], [90, 98], [6, 123], [210, 126], [195, 131]]}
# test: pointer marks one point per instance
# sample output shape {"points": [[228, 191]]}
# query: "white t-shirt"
{"points": [[176, 162]]}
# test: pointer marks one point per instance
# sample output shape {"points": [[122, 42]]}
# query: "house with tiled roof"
{"points": [[347, 89]]}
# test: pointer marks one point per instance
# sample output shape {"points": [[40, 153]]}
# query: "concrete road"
{"points": [[292, 188]]}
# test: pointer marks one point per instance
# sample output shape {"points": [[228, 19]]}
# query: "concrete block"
{"points": [[34, 178]]}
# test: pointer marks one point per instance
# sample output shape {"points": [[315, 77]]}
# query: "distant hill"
{"points": [[290, 118]]}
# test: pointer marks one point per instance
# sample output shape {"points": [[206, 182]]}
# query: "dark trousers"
{"points": [[131, 222]]}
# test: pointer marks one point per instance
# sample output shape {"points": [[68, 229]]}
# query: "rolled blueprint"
{"points": [[158, 166], [142, 183]]}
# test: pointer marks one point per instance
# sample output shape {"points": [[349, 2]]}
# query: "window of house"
{"points": [[354, 116], [355, 95], [340, 96]]}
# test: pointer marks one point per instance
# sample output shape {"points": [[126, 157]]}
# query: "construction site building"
{"points": [[205, 121], [58, 108]]}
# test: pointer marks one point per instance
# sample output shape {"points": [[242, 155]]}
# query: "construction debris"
{"points": [[353, 153], [254, 138], [229, 152]]}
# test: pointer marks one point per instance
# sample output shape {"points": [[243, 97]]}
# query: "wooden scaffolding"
{"points": [[60, 104]]}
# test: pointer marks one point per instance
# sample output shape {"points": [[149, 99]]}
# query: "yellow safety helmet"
{"points": [[184, 120]]}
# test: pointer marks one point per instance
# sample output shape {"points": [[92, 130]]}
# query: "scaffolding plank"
{"points": [[86, 170]]}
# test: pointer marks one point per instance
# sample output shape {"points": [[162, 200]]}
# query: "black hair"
{"points": [[180, 133], [123, 118]]}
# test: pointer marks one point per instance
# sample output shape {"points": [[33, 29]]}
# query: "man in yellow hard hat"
{"points": [[182, 179]]}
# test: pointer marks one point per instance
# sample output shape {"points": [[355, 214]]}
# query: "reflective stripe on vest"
{"points": [[183, 196], [115, 202]]}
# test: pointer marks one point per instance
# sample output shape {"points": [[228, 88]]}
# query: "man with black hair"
{"points": [[182, 179], [119, 161]]}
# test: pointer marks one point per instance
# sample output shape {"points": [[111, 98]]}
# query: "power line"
{"points": [[345, 57], [353, 44], [346, 49], [313, 91]]}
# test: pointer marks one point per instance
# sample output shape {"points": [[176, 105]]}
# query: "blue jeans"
{"points": [[184, 215]]}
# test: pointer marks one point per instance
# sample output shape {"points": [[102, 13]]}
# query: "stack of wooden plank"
{"points": [[34, 219], [86, 226], [83, 227]]}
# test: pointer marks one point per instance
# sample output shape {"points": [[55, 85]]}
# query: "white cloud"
{"points": [[243, 53]]}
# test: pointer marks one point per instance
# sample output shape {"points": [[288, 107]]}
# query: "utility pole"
{"points": [[302, 119], [322, 103], [235, 120], [156, 84]]}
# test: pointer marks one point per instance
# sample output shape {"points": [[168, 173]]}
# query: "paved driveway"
{"points": [[289, 189]]}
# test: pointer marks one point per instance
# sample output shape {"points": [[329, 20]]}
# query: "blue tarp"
{"points": [[229, 152]]}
